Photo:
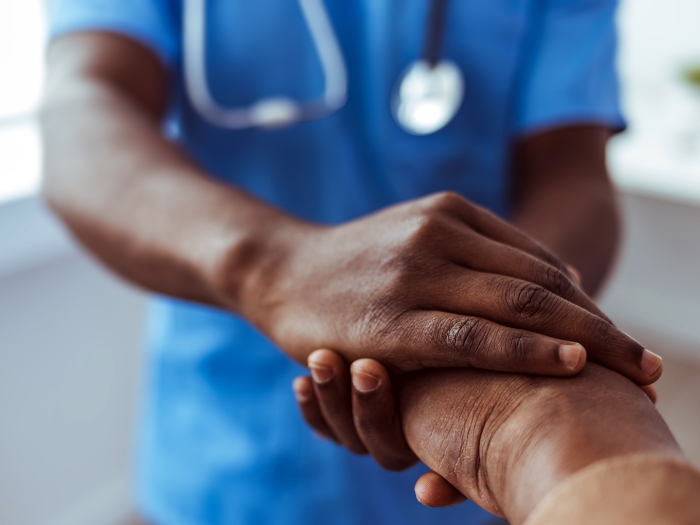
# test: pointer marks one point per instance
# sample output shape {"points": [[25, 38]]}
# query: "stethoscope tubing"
{"points": [[283, 111], [271, 112], [434, 32]]}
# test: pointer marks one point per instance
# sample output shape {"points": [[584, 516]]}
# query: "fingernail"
{"points": [[301, 390], [364, 382], [321, 374], [650, 362], [571, 354]]}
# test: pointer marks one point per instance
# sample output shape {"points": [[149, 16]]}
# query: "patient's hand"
{"points": [[506, 440], [503, 440]]}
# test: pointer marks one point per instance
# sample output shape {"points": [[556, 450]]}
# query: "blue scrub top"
{"points": [[221, 440]]}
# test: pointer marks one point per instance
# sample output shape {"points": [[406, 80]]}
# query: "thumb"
{"points": [[432, 490]]}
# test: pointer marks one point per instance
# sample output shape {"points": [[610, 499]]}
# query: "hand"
{"points": [[503, 440], [355, 407], [506, 440], [364, 418], [437, 282]]}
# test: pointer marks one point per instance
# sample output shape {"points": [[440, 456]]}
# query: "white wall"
{"points": [[69, 372], [654, 292]]}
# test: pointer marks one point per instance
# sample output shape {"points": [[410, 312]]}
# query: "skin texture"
{"points": [[506, 440], [432, 282], [357, 408], [644, 489]]}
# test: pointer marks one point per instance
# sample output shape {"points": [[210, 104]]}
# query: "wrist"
{"points": [[249, 260], [569, 425], [636, 488]]}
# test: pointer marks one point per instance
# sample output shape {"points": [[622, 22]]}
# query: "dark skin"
{"points": [[562, 174], [432, 282], [505, 440], [358, 408]]}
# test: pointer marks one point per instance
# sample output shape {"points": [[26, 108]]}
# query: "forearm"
{"points": [[578, 222], [139, 203], [564, 198], [639, 489]]}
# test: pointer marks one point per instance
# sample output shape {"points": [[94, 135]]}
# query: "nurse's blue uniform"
{"points": [[221, 440]]}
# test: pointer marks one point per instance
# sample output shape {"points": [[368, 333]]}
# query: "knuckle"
{"points": [[468, 335], [518, 350], [367, 426], [557, 282], [602, 332], [426, 231], [543, 254], [527, 300], [378, 316], [559, 265], [446, 201], [422, 254]]}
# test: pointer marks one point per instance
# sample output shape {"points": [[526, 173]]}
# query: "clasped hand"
{"points": [[436, 282]]}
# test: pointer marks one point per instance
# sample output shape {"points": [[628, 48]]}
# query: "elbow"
{"points": [[54, 193], [52, 190], [49, 193], [60, 192], [64, 188]]}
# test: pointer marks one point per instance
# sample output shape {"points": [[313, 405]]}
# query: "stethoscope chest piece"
{"points": [[426, 98]]}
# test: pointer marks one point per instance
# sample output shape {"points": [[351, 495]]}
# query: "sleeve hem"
{"points": [[141, 36], [616, 122]]}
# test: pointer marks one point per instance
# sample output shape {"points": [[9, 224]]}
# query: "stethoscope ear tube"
{"points": [[194, 38], [329, 53], [426, 97], [271, 112]]}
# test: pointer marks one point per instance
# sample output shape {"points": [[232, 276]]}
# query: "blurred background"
{"points": [[70, 333]]}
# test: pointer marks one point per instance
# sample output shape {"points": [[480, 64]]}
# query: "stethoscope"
{"points": [[426, 96]]}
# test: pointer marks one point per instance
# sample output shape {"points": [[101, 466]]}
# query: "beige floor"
{"points": [[679, 404]]}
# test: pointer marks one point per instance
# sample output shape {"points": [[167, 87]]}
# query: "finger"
{"points": [[575, 274], [432, 490], [332, 387], [438, 339], [376, 418], [308, 406], [493, 257], [524, 305], [490, 225], [650, 391]]}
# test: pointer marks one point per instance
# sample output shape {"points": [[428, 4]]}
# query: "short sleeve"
{"points": [[153, 23], [569, 73]]}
